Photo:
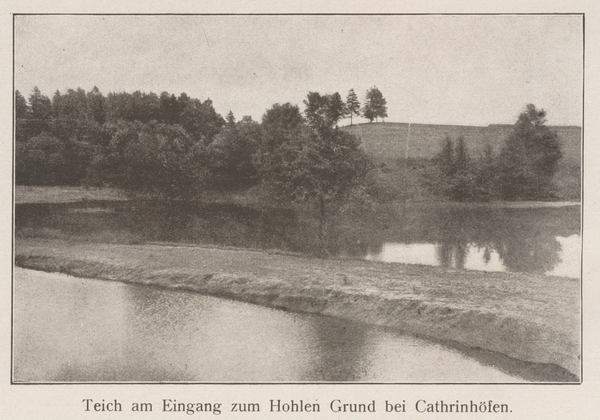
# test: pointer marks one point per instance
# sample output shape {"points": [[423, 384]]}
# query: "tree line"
{"points": [[523, 169], [178, 147]]}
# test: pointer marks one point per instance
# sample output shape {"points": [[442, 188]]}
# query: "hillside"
{"points": [[393, 141]]}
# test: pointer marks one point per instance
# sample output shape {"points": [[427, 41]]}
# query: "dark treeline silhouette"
{"points": [[523, 169], [177, 147], [68, 139]]}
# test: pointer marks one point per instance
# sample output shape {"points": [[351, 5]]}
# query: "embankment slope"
{"points": [[526, 317]]}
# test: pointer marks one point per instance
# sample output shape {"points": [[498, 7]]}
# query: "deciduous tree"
{"points": [[375, 105]]}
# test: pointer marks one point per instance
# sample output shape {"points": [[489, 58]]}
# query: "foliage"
{"points": [[529, 158], [23, 117], [318, 166], [82, 123], [283, 118], [41, 113], [375, 105], [523, 170], [230, 118], [201, 120], [231, 156], [324, 111], [40, 161], [152, 159], [456, 172]]}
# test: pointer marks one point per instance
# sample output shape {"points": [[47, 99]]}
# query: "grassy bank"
{"points": [[64, 194], [525, 317]]}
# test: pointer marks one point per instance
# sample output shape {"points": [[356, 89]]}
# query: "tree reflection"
{"points": [[524, 239], [340, 350]]}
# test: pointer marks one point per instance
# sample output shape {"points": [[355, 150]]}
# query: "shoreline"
{"points": [[529, 318], [63, 195]]}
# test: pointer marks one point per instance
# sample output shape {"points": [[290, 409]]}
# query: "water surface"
{"points": [[530, 240], [68, 329]]}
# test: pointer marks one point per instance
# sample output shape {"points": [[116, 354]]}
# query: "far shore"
{"points": [[70, 194]]}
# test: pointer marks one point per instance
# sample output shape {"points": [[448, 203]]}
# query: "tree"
{"points": [[201, 120], [462, 186], [96, 104], [247, 119], [336, 108], [319, 166], [41, 112], [375, 105], [230, 118], [22, 117], [352, 105], [154, 159], [169, 108], [444, 165], [232, 156], [485, 174], [455, 171], [529, 158], [40, 161], [282, 118], [324, 111]]}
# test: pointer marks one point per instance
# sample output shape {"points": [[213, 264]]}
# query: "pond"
{"points": [[68, 329], [530, 240]]}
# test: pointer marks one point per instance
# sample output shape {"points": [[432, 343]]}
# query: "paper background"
{"points": [[526, 401]]}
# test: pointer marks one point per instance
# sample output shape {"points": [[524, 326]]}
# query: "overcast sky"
{"points": [[471, 70]]}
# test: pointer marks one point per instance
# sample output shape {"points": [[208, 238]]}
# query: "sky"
{"points": [[431, 69]]}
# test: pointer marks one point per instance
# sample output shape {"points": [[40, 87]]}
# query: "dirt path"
{"points": [[527, 317]]}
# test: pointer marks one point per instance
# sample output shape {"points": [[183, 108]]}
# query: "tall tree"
{"points": [[318, 165], [282, 118], [96, 104], [22, 118], [230, 118], [529, 158], [324, 111], [41, 112], [445, 168], [169, 108], [375, 105], [232, 156], [462, 184], [352, 105], [336, 108], [201, 120]]}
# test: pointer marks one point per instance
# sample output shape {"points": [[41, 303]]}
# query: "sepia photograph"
{"points": [[297, 199]]}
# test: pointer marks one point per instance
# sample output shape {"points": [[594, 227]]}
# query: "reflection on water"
{"points": [[539, 240], [566, 259], [76, 330]]}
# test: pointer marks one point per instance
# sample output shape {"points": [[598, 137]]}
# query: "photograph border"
{"points": [[320, 383]]}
